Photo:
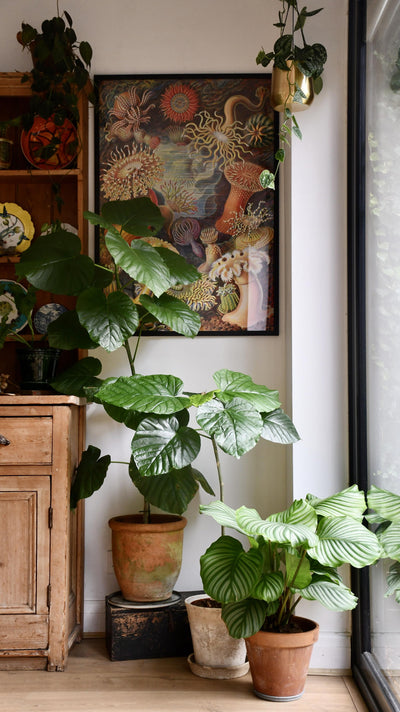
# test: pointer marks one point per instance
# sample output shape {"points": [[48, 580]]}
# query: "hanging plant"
{"points": [[301, 65]]}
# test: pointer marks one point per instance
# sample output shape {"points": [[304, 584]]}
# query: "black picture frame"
{"points": [[196, 145]]}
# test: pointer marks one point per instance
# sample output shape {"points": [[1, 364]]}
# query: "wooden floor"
{"points": [[92, 683]]}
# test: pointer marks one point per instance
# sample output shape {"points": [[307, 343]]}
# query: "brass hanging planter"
{"points": [[285, 86]]}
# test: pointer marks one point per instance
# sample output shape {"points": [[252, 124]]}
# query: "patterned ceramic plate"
{"points": [[46, 314], [8, 307], [16, 229]]}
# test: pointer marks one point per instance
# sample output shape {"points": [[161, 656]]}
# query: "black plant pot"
{"points": [[37, 367]]}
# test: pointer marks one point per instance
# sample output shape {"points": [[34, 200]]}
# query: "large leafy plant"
{"points": [[386, 517], [292, 555], [291, 48], [234, 416]]}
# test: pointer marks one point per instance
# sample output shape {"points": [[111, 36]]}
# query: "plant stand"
{"points": [[147, 630]]}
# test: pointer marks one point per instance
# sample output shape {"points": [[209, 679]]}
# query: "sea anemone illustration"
{"points": [[216, 141], [130, 172], [244, 179], [131, 112], [242, 268], [199, 296], [179, 103]]}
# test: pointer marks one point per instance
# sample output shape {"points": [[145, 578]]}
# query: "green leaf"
{"points": [[198, 399], [171, 492], [280, 155], [228, 572], [298, 574], [137, 216], [174, 313], [234, 384], [390, 541], [244, 618], [85, 51], [345, 541], [267, 179], [181, 271], [67, 333], [235, 426], [110, 320], [54, 263], [393, 581], [269, 587], [90, 474], [349, 502], [161, 445], [141, 261], [294, 527], [386, 504], [80, 375], [224, 516], [278, 428], [337, 597], [160, 394]]}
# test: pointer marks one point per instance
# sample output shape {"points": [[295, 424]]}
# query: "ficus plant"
{"points": [[291, 48], [291, 555], [233, 416]]}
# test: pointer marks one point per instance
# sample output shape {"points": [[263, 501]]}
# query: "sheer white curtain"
{"points": [[383, 293]]}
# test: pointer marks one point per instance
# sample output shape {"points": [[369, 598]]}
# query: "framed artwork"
{"points": [[196, 145]]}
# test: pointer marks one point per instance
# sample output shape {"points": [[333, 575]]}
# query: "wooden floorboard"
{"points": [[92, 683]]}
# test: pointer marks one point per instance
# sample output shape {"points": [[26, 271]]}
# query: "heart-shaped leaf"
{"points": [[55, 264], [80, 375], [171, 492], [141, 261], [110, 320], [228, 572], [278, 428], [90, 474], [160, 394], [236, 425], [161, 445], [234, 384], [67, 333], [173, 313]]}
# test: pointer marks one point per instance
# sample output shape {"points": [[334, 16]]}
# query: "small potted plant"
{"points": [[296, 75], [292, 555], [60, 72]]}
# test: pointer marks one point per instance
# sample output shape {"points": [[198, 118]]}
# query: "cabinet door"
{"points": [[24, 561]]}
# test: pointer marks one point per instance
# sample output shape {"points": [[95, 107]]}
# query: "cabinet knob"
{"points": [[4, 441]]}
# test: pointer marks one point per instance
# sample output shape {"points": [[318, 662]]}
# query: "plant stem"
{"points": [[146, 512], [220, 481]]}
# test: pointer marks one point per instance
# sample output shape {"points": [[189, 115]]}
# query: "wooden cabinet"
{"points": [[38, 192], [41, 541]]}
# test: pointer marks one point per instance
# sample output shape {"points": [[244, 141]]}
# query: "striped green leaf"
{"points": [[335, 596], [386, 504], [345, 541], [228, 572], [244, 618], [348, 503]]}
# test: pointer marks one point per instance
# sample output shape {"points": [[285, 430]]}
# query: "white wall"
{"points": [[307, 361]]}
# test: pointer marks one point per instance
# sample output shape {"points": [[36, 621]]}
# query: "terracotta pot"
{"points": [[147, 557], [279, 661], [283, 89], [216, 654]]}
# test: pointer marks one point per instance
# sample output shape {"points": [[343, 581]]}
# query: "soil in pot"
{"points": [[216, 654], [279, 661], [147, 557]]}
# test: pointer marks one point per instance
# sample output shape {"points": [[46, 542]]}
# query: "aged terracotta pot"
{"points": [[216, 654], [279, 661], [147, 557]]}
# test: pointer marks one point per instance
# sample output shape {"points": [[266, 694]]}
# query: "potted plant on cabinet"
{"points": [[293, 554], [296, 75]]}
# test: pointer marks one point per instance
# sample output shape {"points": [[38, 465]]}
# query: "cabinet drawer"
{"points": [[30, 441]]}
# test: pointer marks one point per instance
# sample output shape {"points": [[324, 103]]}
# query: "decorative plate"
{"points": [[8, 307], [16, 229], [46, 314], [43, 134], [62, 226]]}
